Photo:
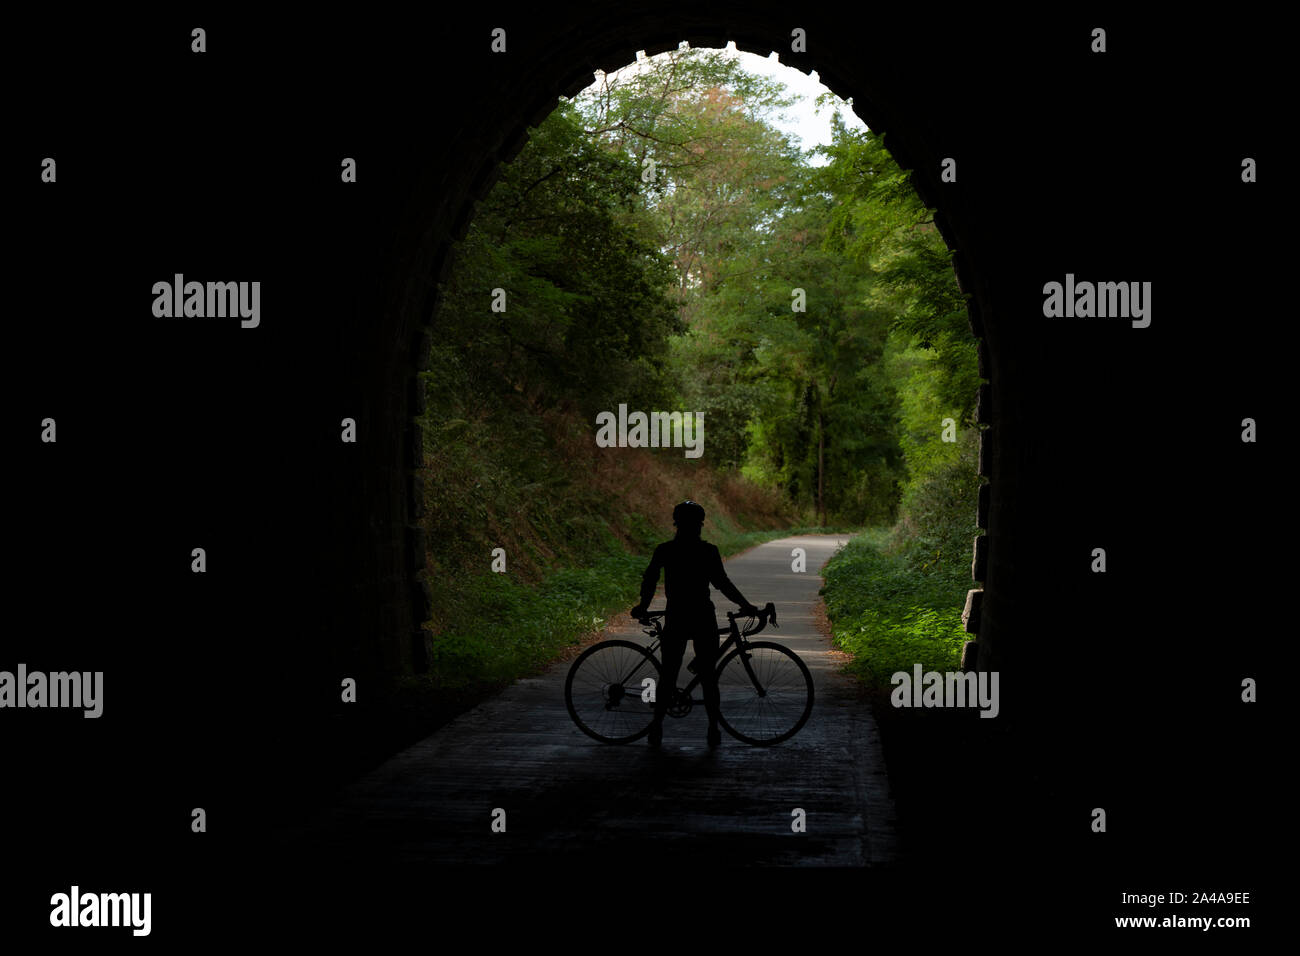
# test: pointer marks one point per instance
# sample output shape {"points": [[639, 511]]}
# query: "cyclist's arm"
{"points": [[718, 578], [650, 580]]}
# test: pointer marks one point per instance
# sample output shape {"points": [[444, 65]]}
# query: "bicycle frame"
{"points": [[766, 691], [734, 636]]}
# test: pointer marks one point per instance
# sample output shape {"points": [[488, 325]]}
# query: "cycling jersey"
{"points": [[690, 565]]}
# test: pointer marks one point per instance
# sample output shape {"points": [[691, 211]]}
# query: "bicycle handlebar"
{"points": [[765, 614]]}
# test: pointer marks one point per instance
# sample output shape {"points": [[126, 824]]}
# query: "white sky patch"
{"points": [[802, 122]]}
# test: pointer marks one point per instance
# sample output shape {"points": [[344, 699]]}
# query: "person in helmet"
{"points": [[690, 565]]}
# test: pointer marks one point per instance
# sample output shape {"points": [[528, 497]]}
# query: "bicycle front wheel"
{"points": [[607, 694], [766, 693]]}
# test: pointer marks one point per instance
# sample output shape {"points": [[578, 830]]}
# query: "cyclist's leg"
{"points": [[706, 655], [671, 649]]}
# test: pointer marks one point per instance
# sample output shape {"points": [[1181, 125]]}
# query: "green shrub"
{"points": [[889, 615]]}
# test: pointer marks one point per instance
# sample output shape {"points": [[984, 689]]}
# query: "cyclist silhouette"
{"points": [[690, 565]]}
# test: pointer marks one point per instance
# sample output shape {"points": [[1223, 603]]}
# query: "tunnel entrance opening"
{"points": [[422, 649]]}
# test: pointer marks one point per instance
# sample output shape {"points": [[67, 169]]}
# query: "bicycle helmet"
{"points": [[688, 512]]}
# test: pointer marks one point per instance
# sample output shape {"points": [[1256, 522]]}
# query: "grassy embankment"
{"points": [[891, 614]]}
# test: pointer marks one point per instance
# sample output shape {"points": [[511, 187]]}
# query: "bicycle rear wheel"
{"points": [[605, 692], [766, 693]]}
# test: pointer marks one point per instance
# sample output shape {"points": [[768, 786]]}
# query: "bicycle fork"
{"points": [[743, 654]]}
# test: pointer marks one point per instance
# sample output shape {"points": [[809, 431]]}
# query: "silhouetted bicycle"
{"points": [[765, 689]]}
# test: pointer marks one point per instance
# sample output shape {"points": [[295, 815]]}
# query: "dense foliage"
{"points": [[823, 335]]}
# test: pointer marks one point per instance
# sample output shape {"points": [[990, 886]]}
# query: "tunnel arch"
{"points": [[445, 196], [1101, 436]]}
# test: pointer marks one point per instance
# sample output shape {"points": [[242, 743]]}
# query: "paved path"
{"points": [[569, 798]]}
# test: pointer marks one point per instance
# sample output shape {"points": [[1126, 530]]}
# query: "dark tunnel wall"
{"points": [[1122, 166]]}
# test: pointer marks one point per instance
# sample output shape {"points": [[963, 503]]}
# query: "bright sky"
{"points": [[805, 126]]}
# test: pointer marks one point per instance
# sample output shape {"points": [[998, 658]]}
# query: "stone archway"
{"points": [[444, 197]]}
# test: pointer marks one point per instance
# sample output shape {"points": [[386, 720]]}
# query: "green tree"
{"points": [[880, 221], [586, 317]]}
